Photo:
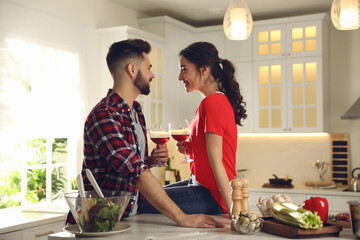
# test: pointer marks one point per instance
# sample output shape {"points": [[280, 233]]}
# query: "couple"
{"points": [[115, 142]]}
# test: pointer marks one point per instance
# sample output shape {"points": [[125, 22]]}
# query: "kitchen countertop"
{"points": [[302, 189], [16, 219], [159, 227]]}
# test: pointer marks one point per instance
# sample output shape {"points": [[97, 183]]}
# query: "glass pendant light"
{"points": [[345, 14], [238, 22]]}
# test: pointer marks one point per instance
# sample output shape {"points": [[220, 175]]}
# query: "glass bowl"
{"points": [[95, 214], [247, 223], [264, 210]]}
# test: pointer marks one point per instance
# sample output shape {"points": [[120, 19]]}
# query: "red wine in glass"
{"points": [[180, 133], [160, 134], [180, 137], [160, 140]]}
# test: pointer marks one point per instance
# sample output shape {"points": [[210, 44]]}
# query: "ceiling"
{"points": [[211, 12]]}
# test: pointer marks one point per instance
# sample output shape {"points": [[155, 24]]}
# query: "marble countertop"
{"points": [[159, 227], [16, 219]]}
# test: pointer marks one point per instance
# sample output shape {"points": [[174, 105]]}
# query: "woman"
{"points": [[213, 137]]}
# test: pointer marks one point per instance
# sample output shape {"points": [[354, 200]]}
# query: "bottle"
{"points": [[178, 178], [168, 171]]}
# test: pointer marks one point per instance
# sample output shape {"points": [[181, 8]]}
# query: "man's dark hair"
{"points": [[120, 52]]}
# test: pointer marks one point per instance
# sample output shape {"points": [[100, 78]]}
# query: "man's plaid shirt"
{"points": [[111, 149]]}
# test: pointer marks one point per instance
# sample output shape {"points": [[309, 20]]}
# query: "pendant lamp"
{"points": [[345, 14], [238, 22]]}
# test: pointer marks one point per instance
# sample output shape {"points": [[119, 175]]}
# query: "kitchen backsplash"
{"points": [[283, 154], [266, 154]]}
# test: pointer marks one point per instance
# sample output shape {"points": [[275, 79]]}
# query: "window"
{"points": [[40, 109]]}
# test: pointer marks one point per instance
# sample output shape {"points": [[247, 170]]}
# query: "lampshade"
{"points": [[238, 22], [345, 14]]}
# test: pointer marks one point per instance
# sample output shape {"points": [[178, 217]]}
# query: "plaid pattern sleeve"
{"points": [[111, 149]]}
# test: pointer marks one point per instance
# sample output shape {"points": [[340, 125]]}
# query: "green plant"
{"points": [[73, 184], [36, 178]]}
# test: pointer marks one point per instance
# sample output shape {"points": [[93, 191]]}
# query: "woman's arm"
{"points": [[214, 151]]}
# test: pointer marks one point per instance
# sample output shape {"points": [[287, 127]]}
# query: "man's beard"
{"points": [[141, 83]]}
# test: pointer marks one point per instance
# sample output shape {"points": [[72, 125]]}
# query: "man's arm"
{"points": [[152, 190]]}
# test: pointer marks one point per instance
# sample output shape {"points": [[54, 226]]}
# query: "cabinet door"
{"points": [[304, 95], [270, 96], [244, 78], [153, 104], [42, 232], [269, 42], [11, 236], [304, 39]]}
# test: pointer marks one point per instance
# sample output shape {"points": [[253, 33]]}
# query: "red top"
{"points": [[216, 115]]}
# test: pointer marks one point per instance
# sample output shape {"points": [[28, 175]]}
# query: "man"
{"points": [[115, 143]]}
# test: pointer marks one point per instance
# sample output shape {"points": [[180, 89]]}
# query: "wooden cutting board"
{"points": [[274, 227]]}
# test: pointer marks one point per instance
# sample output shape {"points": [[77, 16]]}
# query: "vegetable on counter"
{"points": [[267, 202], [99, 215], [344, 216], [291, 214], [319, 205]]}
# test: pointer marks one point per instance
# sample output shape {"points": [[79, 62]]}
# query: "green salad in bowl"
{"points": [[96, 214]]}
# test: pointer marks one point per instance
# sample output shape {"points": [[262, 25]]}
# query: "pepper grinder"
{"points": [[245, 195], [236, 197]]}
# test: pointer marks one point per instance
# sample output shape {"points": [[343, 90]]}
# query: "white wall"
{"points": [[92, 14], [73, 23], [345, 86]]}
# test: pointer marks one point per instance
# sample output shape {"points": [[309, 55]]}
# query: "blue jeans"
{"points": [[191, 198]]}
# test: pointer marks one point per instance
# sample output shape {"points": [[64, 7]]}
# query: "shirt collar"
{"points": [[116, 100]]}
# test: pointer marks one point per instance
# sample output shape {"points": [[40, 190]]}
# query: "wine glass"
{"points": [[160, 134], [180, 133]]}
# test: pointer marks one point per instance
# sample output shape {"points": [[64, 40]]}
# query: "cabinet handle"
{"points": [[289, 54], [43, 234]]}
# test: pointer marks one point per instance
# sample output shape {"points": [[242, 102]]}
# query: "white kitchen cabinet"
{"points": [[291, 80], [153, 104], [290, 95], [16, 235], [34, 233], [42, 232], [290, 37]]}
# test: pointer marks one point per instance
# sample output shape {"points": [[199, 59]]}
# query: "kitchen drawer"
{"points": [[11, 236], [41, 232]]}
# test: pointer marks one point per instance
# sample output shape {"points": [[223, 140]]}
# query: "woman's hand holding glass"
{"points": [[180, 132], [160, 135]]}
